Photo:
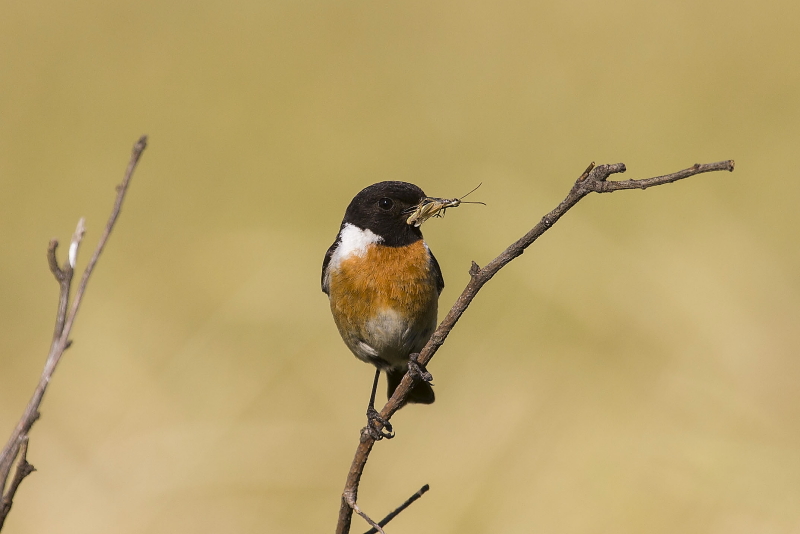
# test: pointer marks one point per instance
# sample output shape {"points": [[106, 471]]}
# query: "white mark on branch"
{"points": [[77, 237]]}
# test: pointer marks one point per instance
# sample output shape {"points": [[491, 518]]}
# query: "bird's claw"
{"points": [[419, 370], [378, 427]]}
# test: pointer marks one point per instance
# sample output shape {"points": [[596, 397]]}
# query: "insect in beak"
{"points": [[434, 207]]}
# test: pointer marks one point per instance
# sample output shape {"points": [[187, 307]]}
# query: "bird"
{"points": [[383, 282]]}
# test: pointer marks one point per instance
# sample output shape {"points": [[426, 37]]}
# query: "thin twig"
{"points": [[351, 502], [65, 318], [383, 522], [594, 179], [64, 279], [23, 469]]}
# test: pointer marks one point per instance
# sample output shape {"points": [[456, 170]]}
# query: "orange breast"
{"points": [[386, 280]]}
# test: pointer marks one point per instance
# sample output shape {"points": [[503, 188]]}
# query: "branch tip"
{"points": [[52, 260], [617, 168], [383, 522]]}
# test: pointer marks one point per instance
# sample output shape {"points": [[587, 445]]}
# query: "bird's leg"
{"points": [[377, 427], [416, 369]]}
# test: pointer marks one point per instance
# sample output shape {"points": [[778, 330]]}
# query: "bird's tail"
{"points": [[422, 393]]}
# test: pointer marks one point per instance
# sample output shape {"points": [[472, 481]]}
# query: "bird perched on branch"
{"points": [[383, 282]]}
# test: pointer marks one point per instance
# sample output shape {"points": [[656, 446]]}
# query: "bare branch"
{"points": [[122, 188], [383, 522], [602, 186], [64, 321], [64, 279], [350, 499], [53, 261], [23, 469], [594, 179]]}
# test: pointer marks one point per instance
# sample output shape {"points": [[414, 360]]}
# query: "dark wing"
{"points": [[437, 272], [325, 262]]}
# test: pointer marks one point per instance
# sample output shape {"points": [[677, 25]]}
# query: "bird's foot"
{"points": [[378, 427], [416, 369]]}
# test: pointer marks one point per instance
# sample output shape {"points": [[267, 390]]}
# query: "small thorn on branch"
{"points": [[474, 269]]}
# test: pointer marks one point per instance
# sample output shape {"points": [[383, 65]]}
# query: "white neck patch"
{"points": [[354, 241]]}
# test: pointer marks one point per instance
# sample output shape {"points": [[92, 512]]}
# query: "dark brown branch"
{"points": [[383, 522], [594, 179], [65, 318]]}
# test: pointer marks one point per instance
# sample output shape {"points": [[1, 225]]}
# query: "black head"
{"points": [[384, 208]]}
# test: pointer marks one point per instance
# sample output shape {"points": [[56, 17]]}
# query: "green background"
{"points": [[636, 371]]}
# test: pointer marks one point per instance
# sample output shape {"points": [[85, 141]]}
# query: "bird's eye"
{"points": [[385, 203]]}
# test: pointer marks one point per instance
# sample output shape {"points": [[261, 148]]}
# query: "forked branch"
{"points": [[17, 446], [594, 179]]}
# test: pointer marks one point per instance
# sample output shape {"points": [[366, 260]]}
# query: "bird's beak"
{"points": [[430, 207]]}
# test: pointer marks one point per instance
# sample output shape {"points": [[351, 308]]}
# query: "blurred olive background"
{"points": [[635, 371]]}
